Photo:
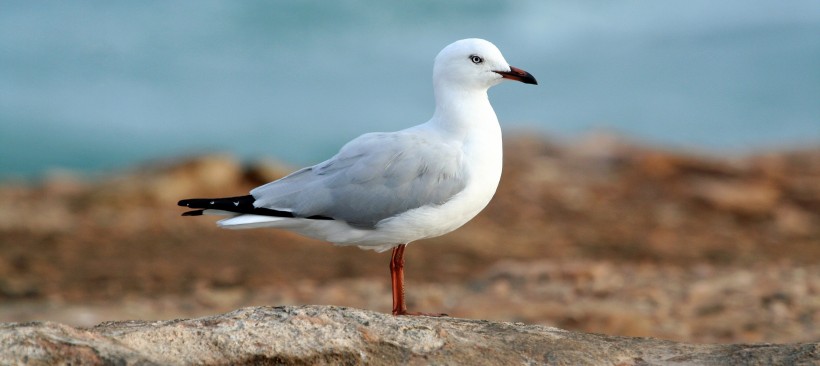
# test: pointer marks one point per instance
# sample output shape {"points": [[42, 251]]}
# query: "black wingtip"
{"points": [[238, 205]]}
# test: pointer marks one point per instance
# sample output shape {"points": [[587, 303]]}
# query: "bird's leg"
{"points": [[397, 279]]}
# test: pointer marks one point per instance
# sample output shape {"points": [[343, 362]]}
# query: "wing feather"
{"points": [[373, 177]]}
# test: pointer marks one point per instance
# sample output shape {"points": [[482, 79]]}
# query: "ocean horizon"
{"points": [[95, 86]]}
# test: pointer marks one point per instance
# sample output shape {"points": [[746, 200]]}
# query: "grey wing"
{"points": [[373, 177]]}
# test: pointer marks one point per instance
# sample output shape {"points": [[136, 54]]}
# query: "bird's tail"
{"points": [[235, 205], [225, 205]]}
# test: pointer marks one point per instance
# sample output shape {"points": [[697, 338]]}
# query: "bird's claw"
{"points": [[416, 313]]}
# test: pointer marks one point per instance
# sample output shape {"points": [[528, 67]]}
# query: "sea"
{"points": [[96, 86]]}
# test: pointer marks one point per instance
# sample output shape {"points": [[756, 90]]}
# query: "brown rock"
{"points": [[793, 221], [267, 170], [216, 174], [741, 197]]}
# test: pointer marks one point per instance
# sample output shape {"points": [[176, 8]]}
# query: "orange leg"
{"points": [[397, 279]]}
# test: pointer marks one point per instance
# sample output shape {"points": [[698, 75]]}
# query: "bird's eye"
{"points": [[476, 59]]}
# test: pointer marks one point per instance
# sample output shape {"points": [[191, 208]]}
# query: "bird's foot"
{"points": [[416, 313]]}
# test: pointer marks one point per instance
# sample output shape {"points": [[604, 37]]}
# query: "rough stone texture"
{"points": [[317, 335]]}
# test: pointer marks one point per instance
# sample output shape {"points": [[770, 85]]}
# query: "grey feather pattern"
{"points": [[373, 177]]}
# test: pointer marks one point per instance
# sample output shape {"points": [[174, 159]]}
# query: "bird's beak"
{"points": [[518, 74]]}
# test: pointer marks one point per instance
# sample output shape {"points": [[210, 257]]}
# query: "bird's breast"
{"points": [[482, 163]]}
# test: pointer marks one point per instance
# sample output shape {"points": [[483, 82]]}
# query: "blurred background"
{"points": [[94, 85], [662, 180]]}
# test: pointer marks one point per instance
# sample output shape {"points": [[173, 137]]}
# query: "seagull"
{"points": [[383, 190]]}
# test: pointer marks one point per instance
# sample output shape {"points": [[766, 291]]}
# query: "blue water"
{"points": [[96, 85]]}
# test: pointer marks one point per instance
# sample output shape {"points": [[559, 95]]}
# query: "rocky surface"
{"points": [[318, 335], [599, 235]]}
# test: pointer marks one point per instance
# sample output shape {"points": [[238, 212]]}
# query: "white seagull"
{"points": [[386, 189]]}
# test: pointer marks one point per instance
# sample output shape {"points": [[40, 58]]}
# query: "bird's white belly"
{"points": [[431, 221]]}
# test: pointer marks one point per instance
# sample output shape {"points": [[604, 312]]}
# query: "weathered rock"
{"points": [[266, 170], [748, 198], [167, 182], [310, 335]]}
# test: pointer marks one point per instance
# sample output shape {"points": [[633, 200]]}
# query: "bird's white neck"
{"points": [[460, 111]]}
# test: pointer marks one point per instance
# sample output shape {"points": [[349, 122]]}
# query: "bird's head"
{"points": [[475, 64]]}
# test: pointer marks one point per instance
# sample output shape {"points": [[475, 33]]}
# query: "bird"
{"points": [[384, 190]]}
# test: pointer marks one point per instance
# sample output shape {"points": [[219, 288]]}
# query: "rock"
{"points": [[669, 164], [793, 221], [60, 183], [166, 182], [326, 335], [266, 170], [745, 198]]}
